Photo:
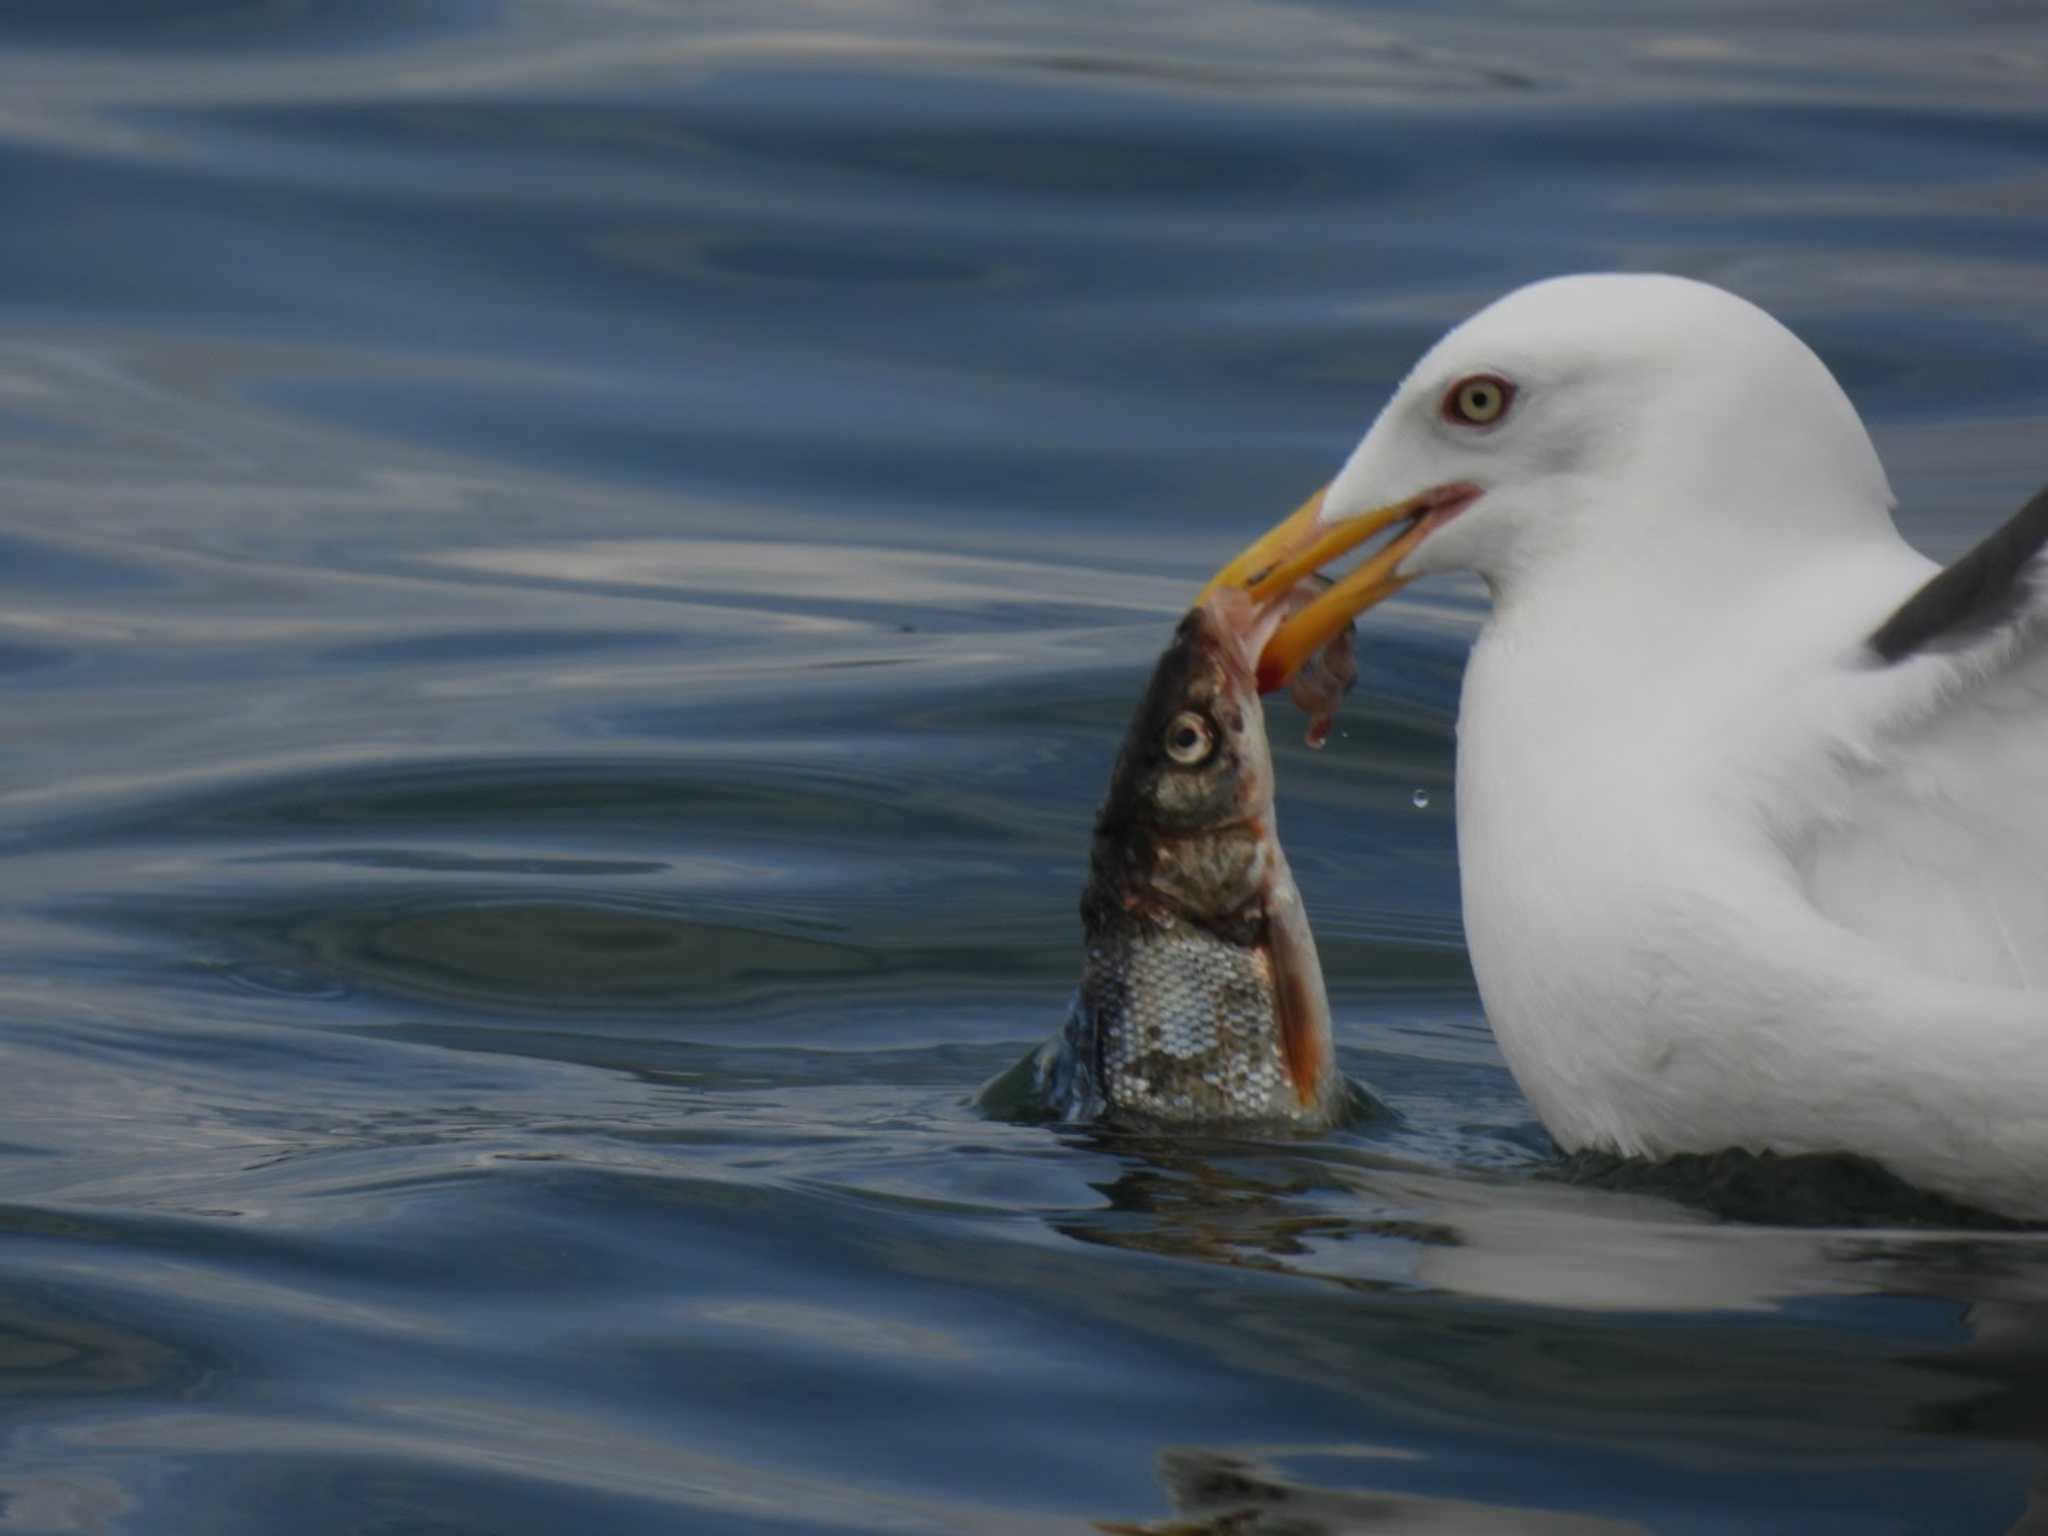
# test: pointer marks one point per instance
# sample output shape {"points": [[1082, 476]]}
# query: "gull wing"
{"points": [[1939, 850], [1991, 588]]}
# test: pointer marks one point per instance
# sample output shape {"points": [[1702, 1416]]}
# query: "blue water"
{"points": [[569, 576]]}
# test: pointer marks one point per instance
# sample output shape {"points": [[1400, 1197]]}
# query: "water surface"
{"points": [[569, 577]]}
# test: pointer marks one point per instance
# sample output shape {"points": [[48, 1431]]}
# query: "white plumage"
{"points": [[1731, 878]]}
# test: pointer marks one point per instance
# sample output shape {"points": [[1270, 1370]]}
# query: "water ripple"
{"points": [[571, 574]]}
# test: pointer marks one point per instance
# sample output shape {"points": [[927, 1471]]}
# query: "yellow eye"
{"points": [[1189, 740], [1478, 401]]}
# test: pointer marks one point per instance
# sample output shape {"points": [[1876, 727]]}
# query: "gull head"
{"points": [[1579, 436]]}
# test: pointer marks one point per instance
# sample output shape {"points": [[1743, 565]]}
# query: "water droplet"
{"points": [[1420, 799]]}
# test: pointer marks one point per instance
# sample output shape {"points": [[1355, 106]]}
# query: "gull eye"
{"points": [[1189, 740], [1478, 401]]}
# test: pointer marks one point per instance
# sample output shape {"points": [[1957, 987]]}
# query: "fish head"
{"points": [[1191, 798]]}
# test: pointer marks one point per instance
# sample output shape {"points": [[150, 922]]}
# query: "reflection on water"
{"points": [[42, 1354], [1804, 1191], [569, 578], [1218, 1493]]}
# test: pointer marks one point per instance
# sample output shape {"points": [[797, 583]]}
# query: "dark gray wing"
{"points": [[1984, 589]]}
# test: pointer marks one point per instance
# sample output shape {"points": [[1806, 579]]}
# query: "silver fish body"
{"points": [[1193, 1028], [1201, 1000]]}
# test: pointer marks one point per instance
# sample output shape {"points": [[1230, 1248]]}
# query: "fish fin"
{"points": [[1302, 1036]]}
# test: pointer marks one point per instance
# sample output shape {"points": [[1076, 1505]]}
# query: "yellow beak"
{"points": [[1299, 545]]}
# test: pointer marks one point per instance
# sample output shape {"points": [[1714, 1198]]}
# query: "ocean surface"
{"points": [[570, 572]]}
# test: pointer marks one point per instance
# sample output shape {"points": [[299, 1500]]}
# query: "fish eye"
{"points": [[1189, 739], [1478, 401]]}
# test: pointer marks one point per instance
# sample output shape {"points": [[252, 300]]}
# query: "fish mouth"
{"points": [[1230, 627], [1302, 543]]}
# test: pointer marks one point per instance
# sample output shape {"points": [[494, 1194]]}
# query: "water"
{"points": [[569, 576]]}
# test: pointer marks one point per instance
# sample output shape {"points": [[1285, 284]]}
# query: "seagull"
{"points": [[1752, 797]]}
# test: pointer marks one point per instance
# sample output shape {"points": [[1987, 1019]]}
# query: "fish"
{"points": [[1201, 1001]]}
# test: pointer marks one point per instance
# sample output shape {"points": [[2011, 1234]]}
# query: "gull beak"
{"points": [[1289, 537], [1303, 543]]}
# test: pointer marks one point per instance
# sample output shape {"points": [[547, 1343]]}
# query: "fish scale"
{"points": [[1184, 1028]]}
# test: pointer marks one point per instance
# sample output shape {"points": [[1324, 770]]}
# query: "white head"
{"points": [[1582, 422]]}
